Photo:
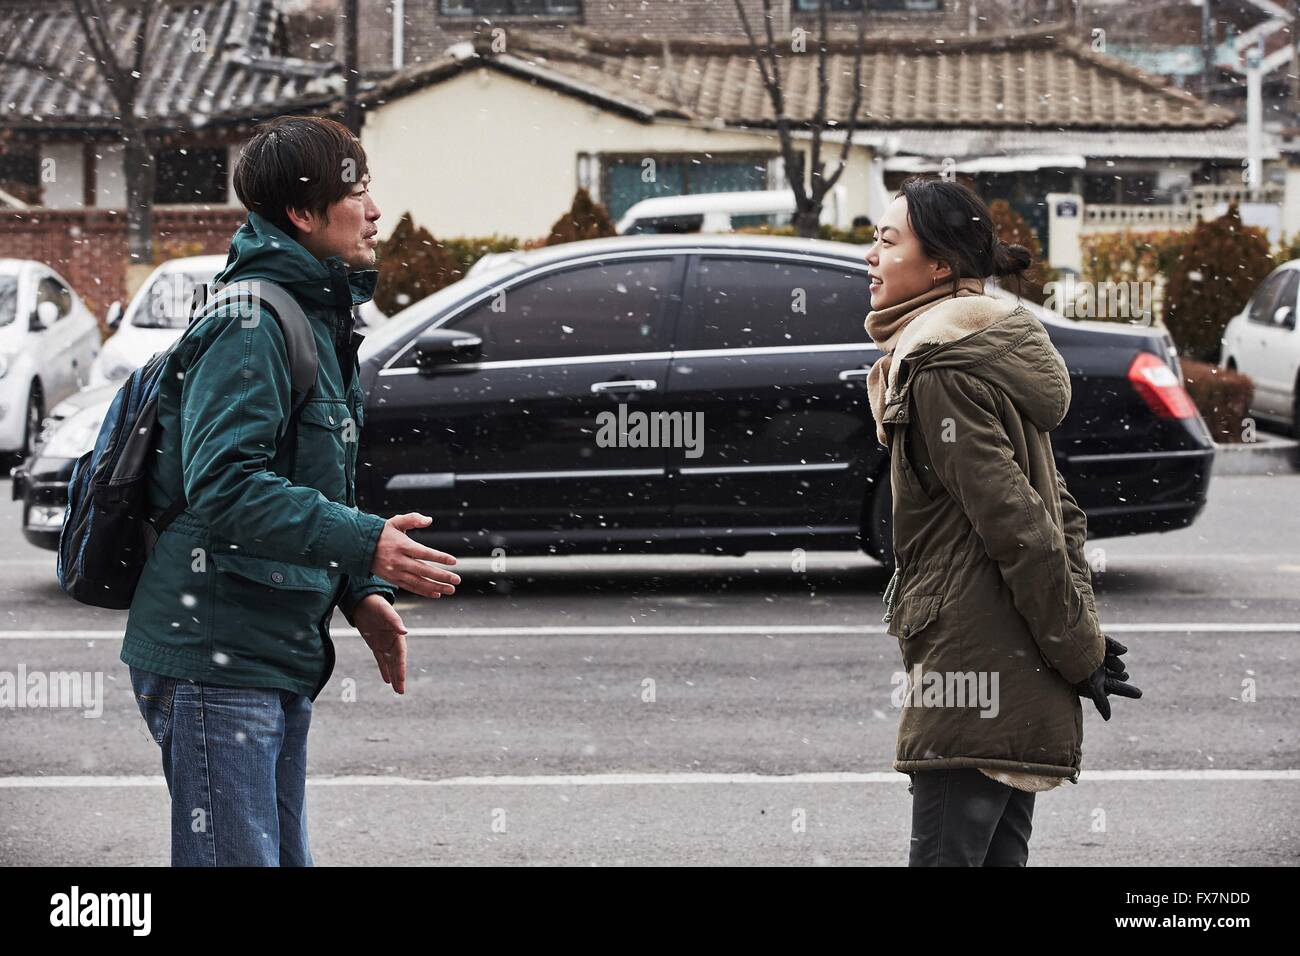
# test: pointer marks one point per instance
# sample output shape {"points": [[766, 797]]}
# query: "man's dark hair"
{"points": [[956, 228], [297, 162]]}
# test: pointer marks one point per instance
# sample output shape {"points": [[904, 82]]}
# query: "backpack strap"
{"points": [[300, 343]]}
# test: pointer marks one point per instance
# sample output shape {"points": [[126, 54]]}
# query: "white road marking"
{"points": [[657, 779], [646, 630]]}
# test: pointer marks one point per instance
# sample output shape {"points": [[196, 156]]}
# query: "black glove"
{"points": [[1114, 666], [1101, 683]]}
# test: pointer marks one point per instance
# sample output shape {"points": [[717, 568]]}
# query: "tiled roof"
{"points": [[209, 61], [1033, 80]]}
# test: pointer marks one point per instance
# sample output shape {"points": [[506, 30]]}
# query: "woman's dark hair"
{"points": [[955, 227], [297, 162]]}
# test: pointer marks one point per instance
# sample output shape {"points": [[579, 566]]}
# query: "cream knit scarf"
{"points": [[887, 326]]}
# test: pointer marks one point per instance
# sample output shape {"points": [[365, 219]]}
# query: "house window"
{"points": [[629, 179], [190, 174], [1124, 188], [20, 175], [843, 6], [518, 8]]}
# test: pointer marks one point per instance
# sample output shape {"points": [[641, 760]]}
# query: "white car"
{"points": [[48, 340], [159, 312], [155, 318], [1262, 342]]}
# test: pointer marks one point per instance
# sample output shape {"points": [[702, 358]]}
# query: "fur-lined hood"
{"points": [[1003, 344]]}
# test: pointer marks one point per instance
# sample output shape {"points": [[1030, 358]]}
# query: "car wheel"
{"points": [[878, 533]]}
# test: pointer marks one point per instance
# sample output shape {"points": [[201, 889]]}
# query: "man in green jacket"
{"points": [[228, 634]]}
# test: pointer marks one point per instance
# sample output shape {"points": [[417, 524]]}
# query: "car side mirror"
{"points": [[441, 349], [46, 314], [113, 317], [1283, 315]]}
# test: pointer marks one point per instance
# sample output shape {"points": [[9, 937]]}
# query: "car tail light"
{"points": [[1160, 388]]}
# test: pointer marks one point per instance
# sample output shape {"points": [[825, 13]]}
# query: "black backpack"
{"points": [[109, 529]]}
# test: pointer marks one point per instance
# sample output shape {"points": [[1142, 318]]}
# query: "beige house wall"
{"points": [[486, 153]]}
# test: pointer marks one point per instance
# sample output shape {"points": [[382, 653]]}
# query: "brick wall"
{"points": [[88, 246]]}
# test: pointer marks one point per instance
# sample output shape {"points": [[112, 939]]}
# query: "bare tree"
{"points": [[121, 64], [808, 197]]}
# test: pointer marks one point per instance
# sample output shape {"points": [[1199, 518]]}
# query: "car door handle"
{"points": [[626, 385], [852, 374]]}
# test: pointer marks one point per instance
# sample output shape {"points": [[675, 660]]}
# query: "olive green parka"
{"points": [[992, 583]]}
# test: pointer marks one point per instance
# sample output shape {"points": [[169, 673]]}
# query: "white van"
{"points": [[723, 212]]}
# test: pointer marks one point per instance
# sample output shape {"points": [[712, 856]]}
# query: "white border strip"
{"points": [[656, 779]]}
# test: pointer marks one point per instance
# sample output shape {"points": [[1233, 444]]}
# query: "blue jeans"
{"points": [[235, 759]]}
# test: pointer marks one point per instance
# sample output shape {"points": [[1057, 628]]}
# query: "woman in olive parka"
{"points": [[992, 600]]}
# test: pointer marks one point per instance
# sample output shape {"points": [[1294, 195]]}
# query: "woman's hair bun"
{"points": [[1010, 258]]}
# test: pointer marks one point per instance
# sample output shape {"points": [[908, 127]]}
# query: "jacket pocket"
{"points": [[914, 613], [324, 429], [267, 617], [273, 575]]}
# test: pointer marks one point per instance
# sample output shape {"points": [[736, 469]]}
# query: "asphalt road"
{"points": [[524, 736]]}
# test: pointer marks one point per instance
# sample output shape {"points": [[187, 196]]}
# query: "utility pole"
{"points": [[351, 69]]}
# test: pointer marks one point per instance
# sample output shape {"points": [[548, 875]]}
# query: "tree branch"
{"points": [[772, 83], [858, 55], [91, 17]]}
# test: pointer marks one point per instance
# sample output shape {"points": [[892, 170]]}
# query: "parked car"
{"points": [[722, 212], [159, 312], [488, 406], [42, 480], [48, 340], [1261, 341], [154, 318]]}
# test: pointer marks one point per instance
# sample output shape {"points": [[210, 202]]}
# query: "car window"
{"points": [[600, 309], [8, 299], [1263, 303], [753, 303], [666, 225], [1286, 296], [167, 303], [52, 290]]}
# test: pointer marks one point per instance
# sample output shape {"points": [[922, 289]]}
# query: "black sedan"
{"points": [[704, 394]]}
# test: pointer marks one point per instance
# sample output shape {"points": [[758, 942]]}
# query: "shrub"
{"points": [[412, 265], [1221, 265], [1127, 256], [1222, 396], [586, 219], [1288, 248]]}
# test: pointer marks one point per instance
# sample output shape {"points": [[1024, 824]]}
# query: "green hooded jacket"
{"points": [[240, 589]]}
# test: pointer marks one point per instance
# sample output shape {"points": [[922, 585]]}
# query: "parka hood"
{"points": [[262, 250], [1003, 344]]}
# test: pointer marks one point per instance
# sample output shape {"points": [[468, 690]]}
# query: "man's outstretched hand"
{"points": [[382, 628], [404, 562]]}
